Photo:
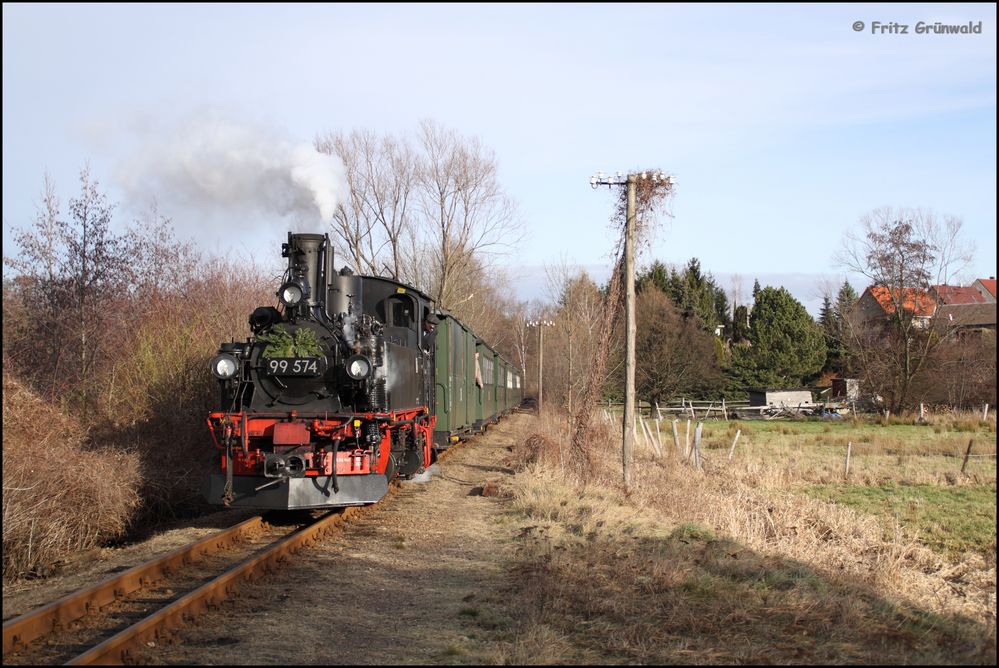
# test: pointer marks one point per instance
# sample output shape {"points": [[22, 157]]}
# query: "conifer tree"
{"points": [[787, 346]]}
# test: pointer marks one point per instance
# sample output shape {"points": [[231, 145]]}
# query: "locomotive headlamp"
{"points": [[224, 366], [292, 292], [358, 367]]}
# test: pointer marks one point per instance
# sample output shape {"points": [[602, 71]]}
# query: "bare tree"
{"points": [[371, 225], [33, 335], [902, 252], [40, 250], [485, 306], [425, 215], [161, 263], [73, 274], [96, 265], [396, 183], [519, 335], [736, 291], [467, 212], [574, 339]]}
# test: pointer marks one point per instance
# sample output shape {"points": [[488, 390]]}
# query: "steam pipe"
{"points": [[336, 449]]}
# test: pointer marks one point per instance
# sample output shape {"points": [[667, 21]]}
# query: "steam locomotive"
{"points": [[352, 382]]}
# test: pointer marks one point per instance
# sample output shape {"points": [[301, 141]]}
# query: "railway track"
{"points": [[93, 617], [55, 632]]}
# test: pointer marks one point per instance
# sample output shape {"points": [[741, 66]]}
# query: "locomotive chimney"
{"points": [[306, 251]]}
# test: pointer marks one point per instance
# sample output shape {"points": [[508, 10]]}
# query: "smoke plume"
{"points": [[208, 166]]}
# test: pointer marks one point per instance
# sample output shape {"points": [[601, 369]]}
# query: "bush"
{"points": [[59, 494], [163, 390]]}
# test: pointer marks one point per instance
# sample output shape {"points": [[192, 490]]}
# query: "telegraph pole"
{"points": [[629, 300], [628, 425], [540, 324]]}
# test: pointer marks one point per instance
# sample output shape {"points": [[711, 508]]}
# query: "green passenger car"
{"points": [[475, 385], [485, 358]]}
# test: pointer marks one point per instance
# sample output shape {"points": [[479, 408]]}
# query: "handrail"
{"points": [[444, 387]]}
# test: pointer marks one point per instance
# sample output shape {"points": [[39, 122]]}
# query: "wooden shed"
{"points": [[845, 389], [779, 397]]}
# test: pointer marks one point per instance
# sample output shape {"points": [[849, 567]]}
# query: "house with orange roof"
{"points": [[879, 302], [987, 288], [962, 310]]}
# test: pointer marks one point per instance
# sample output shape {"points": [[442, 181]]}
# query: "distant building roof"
{"points": [[959, 294], [778, 389], [989, 284], [968, 315], [920, 302]]}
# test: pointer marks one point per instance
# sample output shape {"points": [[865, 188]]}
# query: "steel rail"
{"points": [[44, 620], [118, 648]]}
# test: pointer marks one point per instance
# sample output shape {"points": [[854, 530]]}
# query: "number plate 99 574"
{"points": [[293, 366]]}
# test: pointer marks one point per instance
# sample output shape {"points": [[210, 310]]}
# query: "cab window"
{"points": [[401, 312]]}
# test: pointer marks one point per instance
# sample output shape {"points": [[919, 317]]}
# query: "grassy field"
{"points": [[950, 520], [815, 451], [772, 557]]}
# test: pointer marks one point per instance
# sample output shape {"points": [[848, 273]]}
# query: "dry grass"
{"points": [[59, 495], [730, 565]]}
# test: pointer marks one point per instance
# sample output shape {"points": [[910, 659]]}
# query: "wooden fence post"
{"points": [[676, 437], [697, 446], [724, 410], [652, 440], [686, 449], [985, 413], [659, 436], [967, 454], [846, 468], [734, 441]]}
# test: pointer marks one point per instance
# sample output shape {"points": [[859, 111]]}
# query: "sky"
{"points": [[781, 124]]}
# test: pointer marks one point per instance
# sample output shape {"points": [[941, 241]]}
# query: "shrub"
{"points": [[60, 495]]}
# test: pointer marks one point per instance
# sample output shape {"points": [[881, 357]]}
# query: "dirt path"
{"points": [[421, 579]]}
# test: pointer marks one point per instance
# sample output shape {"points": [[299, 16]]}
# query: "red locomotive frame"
{"points": [[252, 431]]}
